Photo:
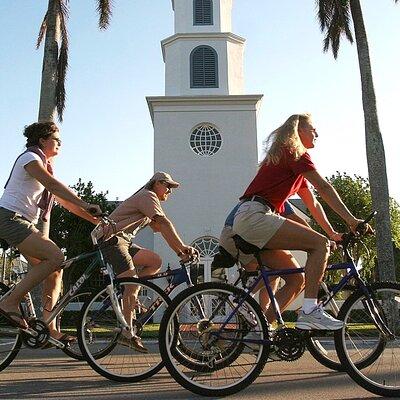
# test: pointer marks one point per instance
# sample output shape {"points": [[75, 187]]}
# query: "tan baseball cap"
{"points": [[163, 176]]}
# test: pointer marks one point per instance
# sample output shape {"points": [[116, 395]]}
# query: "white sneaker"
{"points": [[318, 319]]}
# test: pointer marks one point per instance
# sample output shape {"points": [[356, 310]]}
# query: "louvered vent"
{"points": [[204, 67], [202, 12]]}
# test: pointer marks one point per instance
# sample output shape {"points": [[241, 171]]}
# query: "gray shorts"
{"points": [[14, 228], [119, 252], [253, 222]]}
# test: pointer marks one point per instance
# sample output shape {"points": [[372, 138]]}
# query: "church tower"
{"points": [[205, 127]]}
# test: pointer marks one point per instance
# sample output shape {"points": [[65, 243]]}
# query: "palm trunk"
{"points": [[375, 150], [47, 107]]}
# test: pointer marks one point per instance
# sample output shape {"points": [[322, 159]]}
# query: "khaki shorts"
{"points": [[255, 223], [119, 252], [14, 228]]}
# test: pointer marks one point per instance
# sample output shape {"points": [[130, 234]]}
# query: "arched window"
{"points": [[207, 246], [203, 67], [202, 12]]}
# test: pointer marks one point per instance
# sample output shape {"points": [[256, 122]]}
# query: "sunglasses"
{"points": [[166, 184], [57, 140]]}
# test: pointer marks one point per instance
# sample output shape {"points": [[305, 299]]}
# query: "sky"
{"points": [[107, 131]]}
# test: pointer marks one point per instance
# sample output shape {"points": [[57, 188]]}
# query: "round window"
{"points": [[205, 140]]}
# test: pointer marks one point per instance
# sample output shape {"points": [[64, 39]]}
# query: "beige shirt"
{"points": [[136, 212]]}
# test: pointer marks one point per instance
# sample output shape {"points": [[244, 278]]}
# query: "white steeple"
{"points": [[203, 57], [218, 20], [205, 127]]}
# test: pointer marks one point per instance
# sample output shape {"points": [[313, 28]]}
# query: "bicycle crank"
{"points": [[41, 337], [289, 344]]}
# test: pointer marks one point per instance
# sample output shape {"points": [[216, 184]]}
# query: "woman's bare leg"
{"points": [[50, 256], [293, 236], [294, 284]]}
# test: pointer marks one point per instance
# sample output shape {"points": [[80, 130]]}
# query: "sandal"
{"points": [[9, 317], [65, 339], [134, 342]]}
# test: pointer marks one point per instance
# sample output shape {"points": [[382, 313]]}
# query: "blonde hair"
{"points": [[285, 137]]}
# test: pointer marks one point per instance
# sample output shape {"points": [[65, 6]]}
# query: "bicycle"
{"points": [[37, 335], [212, 317], [100, 325]]}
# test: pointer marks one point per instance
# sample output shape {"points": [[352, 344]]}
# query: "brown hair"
{"points": [[286, 136], [38, 130]]}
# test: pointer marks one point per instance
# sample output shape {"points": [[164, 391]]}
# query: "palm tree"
{"points": [[55, 58], [335, 20], [55, 64]]}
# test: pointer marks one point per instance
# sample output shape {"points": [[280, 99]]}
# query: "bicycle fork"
{"points": [[116, 307]]}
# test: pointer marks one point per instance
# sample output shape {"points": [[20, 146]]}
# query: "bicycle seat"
{"points": [[245, 247], [4, 244]]}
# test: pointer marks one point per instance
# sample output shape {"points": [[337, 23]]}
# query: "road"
{"points": [[49, 374]]}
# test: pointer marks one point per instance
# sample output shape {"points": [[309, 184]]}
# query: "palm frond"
{"points": [[62, 64], [104, 8], [335, 20], [42, 31]]}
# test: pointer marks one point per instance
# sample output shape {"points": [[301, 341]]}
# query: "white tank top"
{"points": [[23, 191]]}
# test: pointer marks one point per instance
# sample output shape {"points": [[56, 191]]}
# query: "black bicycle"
{"points": [[213, 318], [65, 312]]}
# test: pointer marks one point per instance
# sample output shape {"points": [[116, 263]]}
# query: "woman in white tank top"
{"points": [[28, 197]]}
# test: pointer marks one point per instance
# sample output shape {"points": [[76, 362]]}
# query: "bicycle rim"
{"points": [[100, 333], [217, 359], [321, 344], [371, 356], [10, 340], [67, 323]]}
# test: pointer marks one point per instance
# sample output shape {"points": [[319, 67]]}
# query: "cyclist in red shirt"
{"points": [[286, 170]]}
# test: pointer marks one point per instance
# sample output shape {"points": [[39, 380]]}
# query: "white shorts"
{"points": [[254, 222]]}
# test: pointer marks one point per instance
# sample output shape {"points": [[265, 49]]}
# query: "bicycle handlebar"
{"points": [[361, 230]]}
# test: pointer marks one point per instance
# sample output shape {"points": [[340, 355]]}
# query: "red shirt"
{"points": [[276, 183]]}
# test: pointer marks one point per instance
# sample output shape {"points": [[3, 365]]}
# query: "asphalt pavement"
{"points": [[49, 374]]}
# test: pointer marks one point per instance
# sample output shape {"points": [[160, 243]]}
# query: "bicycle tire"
{"points": [[10, 343], [168, 339], [318, 350], [320, 344], [67, 324], [107, 325], [361, 323], [183, 354]]}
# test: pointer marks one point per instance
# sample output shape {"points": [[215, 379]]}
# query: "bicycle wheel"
{"points": [[321, 344], [67, 322], [99, 332], [370, 353], [221, 331], [10, 340]]}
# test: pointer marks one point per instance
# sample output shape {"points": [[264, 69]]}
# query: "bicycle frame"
{"points": [[265, 273], [175, 278], [98, 261]]}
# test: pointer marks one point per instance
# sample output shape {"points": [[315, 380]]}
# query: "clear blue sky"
{"points": [[107, 132]]}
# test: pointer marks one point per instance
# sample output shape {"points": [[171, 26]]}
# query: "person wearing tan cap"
{"points": [[141, 209]]}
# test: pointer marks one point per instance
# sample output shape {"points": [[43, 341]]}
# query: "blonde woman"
{"points": [[288, 170]]}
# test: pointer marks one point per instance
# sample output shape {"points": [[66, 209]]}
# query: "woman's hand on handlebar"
{"points": [[94, 210], [354, 223], [335, 236], [188, 253]]}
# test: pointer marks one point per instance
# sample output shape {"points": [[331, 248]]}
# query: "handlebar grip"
{"points": [[362, 227], [372, 215]]}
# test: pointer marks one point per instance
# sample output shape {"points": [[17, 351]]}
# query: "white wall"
{"points": [[210, 186]]}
